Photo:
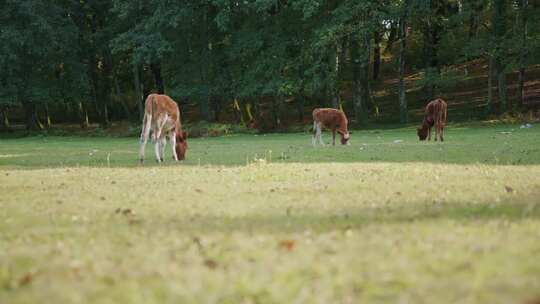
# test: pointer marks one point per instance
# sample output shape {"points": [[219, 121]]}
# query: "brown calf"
{"points": [[162, 116], [332, 119], [436, 112]]}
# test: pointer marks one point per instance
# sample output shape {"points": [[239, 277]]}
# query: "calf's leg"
{"points": [[319, 133], [442, 132], [162, 144], [333, 137], [144, 136], [159, 126], [173, 144], [157, 148], [313, 138]]}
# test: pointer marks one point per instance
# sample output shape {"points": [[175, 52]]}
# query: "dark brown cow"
{"points": [[162, 116], [332, 119], [436, 112]]}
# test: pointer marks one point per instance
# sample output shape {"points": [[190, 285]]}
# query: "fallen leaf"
{"points": [[287, 244], [26, 278], [533, 301], [134, 221], [210, 264]]}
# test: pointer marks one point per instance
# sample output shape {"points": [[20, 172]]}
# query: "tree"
{"points": [[402, 37], [499, 31], [35, 33]]}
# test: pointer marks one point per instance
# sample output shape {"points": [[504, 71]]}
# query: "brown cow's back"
{"points": [[436, 111], [157, 103], [162, 117], [331, 118], [436, 114]]}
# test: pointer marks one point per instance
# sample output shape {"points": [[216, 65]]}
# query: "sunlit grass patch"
{"points": [[273, 233]]}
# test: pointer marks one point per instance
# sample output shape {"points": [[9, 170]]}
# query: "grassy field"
{"points": [[465, 144], [385, 220]]}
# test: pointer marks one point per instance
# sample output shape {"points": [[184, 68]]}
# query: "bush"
{"points": [[206, 129]]}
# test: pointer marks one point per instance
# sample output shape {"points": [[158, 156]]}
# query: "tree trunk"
{"points": [[360, 112], [106, 87], [335, 77], [521, 87], [391, 37], [366, 84], [501, 86], [489, 107], [237, 110], [48, 123], [499, 33], [121, 100], [83, 115], [523, 53], [216, 107], [5, 119], [204, 106], [105, 123], [277, 102], [473, 22], [300, 107], [431, 62], [32, 119], [403, 115], [376, 55], [205, 68], [139, 98], [158, 79]]}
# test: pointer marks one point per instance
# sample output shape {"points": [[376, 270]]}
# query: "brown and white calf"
{"points": [[332, 119], [162, 116], [436, 112]]}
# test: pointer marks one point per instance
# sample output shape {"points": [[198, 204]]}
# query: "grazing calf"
{"points": [[332, 119], [162, 116], [435, 116]]}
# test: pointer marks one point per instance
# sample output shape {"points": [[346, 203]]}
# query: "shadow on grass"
{"points": [[290, 221]]}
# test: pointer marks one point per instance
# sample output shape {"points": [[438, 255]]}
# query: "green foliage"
{"points": [[71, 51]]}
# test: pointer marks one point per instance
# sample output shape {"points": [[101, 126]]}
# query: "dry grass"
{"points": [[271, 233]]}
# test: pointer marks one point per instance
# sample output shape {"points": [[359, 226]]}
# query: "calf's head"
{"points": [[181, 145], [422, 133], [345, 138]]}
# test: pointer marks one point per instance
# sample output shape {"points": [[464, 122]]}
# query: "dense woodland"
{"points": [[94, 61]]}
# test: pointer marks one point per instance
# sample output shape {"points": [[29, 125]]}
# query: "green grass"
{"points": [[374, 222], [465, 144]]}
